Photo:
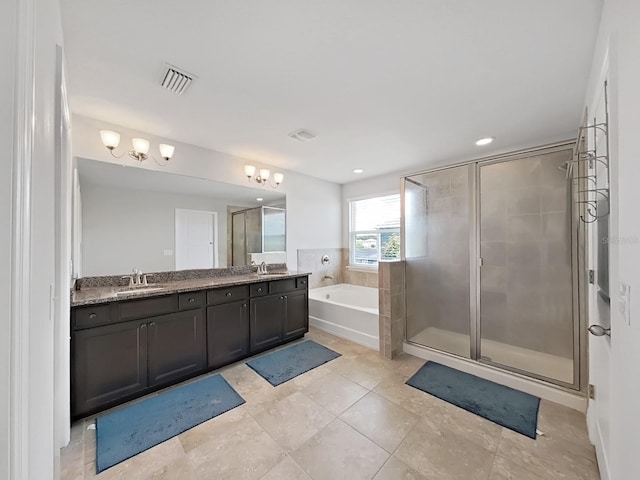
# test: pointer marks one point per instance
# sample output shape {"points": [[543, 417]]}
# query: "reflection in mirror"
{"points": [[158, 221]]}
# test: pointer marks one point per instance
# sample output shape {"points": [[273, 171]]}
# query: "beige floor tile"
{"points": [[349, 349], [339, 452], [256, 391], [395, 389], [335, 393], [294, 420], [144, 465], [382, 421], [396, 469], [287, 469], [505, 469], [236, 447], [565, 426], [407, 365], [362, 370], [547, 456], [444, 415], [443, 454]]}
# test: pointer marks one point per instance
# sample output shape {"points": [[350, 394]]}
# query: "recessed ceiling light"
{"points": [[358, 170], [259, 199], [484, 141]]}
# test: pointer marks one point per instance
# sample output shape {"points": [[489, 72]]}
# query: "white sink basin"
{"points": [[138, 290]]}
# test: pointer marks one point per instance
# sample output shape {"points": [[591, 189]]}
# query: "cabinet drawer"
{"points": [[229, 294], [302, 283], [93, 316], [190, 300], [280, 286], [259, 289], [148, 307]]}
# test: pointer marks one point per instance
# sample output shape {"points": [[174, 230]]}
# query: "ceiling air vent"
{"points": [[303, 135], [175, 79]]}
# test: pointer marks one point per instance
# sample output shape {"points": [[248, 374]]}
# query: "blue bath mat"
{"points": [[505, 406], [283, 365], [136, 428]]}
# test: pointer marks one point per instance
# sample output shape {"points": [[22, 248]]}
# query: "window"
{"points": [[374, 230]]}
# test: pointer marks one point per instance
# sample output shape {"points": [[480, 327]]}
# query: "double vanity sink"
{"points": [[129, 341]]}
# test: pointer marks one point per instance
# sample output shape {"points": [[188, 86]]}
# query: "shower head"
{"points": [[567, 168]]}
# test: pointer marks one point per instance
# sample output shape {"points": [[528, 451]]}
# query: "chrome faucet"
{"points": [[137, 279], [262, 269]]}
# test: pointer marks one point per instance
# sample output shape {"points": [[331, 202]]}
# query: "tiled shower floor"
{"points": [[353, 418]]}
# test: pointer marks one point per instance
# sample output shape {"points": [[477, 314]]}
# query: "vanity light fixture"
{"points": [[484, 141], [263, 176], [140, 150]]}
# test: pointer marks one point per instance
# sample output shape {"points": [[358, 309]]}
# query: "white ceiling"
{"points": [[386, 85], [93, 172]]}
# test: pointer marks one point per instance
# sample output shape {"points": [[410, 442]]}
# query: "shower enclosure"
{"points": [[489, 248]]}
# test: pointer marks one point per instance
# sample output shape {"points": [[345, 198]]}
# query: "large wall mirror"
{"points": [[131, 217]]}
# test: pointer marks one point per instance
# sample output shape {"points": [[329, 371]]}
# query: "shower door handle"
{"points": [[599, 331]]}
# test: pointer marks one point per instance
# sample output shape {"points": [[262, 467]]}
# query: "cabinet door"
{"points": [[110, 363], [176, 346], [297, 317], [267, 320], [227, 332]]}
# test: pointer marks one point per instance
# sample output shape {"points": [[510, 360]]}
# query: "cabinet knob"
{"points": [[260, 289], [92, 316], [244, 305], [303, 282], [152, 324], [144, 325], [229, 294], [191, 300]]}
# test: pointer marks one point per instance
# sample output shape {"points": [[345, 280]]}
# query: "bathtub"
{"points": [[347, 311]]}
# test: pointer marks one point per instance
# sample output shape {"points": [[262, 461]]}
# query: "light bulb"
{"points": [[110, 138], [249, 170], [166, 150], [140, 145], [278, 177]]}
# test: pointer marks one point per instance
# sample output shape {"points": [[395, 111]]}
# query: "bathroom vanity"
{"points": [[126, 346]]}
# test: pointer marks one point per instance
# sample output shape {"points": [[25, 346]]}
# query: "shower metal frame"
{"points": [[580, 377]]}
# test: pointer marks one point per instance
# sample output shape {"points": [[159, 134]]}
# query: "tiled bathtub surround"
{"points": [[310, 260], [357, 277], [391, 307]]}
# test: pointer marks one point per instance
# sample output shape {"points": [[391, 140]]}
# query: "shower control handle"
{"points": [[599, 330]]}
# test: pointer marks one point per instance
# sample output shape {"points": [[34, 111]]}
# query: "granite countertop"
{"points": [[106, 294]]}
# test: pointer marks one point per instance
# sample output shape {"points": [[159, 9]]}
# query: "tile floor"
{"points": [[352, 418]]}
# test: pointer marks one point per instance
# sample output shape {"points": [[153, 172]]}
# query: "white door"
{"points": [[196, 239], [599, 412]]}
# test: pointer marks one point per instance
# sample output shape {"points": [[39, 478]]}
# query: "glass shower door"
{"points": [[526, 292], [436, 249]]}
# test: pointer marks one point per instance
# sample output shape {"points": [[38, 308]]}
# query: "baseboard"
{"points": [[519, 382], [347, 333], [601, 455]]}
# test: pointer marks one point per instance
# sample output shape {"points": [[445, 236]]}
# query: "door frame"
{"points": [[214, 215]]}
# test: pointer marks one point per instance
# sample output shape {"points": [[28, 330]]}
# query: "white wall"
{"points": [[27, 326], [620, 35], [313, 205], [7, 40], [123, 229]]}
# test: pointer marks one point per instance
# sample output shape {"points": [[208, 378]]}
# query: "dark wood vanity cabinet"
{"points": [[296, 320], [124, 349], [176, 346], [227, 332], [267, 320], [109, 365]]}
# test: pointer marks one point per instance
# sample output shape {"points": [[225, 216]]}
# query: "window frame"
{"points": [[352, 233]]}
